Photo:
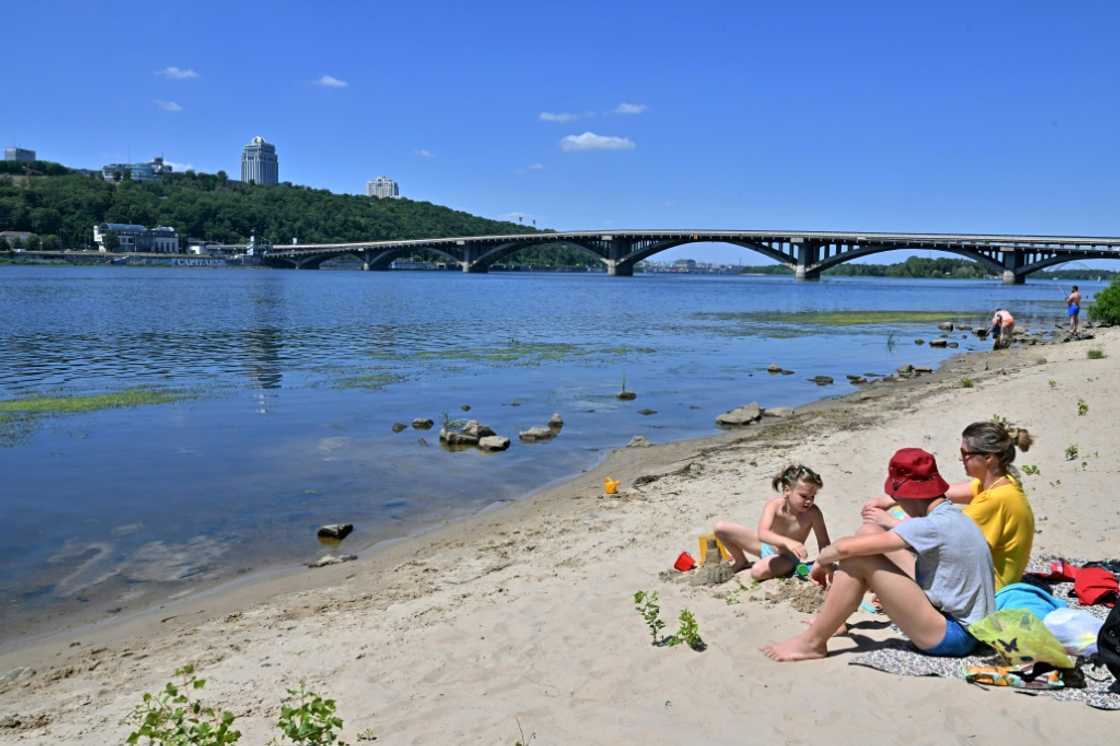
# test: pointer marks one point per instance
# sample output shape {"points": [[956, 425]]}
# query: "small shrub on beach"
{"points": [[307, 718], [966, 383], [1106, 304], [172, 717], [1053, 383], [1071, 452], [1095, 354], [649, 607], [1082, 408], [1030, 470], [688, 632]]}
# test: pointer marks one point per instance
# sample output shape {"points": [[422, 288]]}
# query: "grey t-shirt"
{"points": [[954, 564]]}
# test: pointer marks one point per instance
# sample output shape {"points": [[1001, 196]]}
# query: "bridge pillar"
{"points": [[618, 250], [808, 254], [1012, 263], [470, 263]]}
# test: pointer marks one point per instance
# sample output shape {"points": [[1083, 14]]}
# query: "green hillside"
{"points": [[61, 206]]}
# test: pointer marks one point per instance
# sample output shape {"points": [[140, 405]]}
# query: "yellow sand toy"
{"points": [[610, 486], [708, 537]]}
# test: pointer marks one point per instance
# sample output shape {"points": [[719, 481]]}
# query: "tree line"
{"points": [[61, 205], [923, 267]]}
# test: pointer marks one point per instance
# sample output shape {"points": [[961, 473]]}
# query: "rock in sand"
{"points": [[336, 530], [493, 443], [739, 416], [332, 559], [536, 433], [639, 441]]}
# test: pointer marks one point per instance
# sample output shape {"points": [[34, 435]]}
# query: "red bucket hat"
{"points": [[912, 475]]}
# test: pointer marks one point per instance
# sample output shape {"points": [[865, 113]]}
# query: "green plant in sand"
{"points": [[1095, 354], [649, 607], [307, 718], [1082, 408], [172, 718], [522, 740], [1030, 470], [1071, 452], [688, 632], [966, 383], [1053, 383]]}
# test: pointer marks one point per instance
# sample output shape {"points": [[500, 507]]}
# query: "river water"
{"points": [[291, 382]]}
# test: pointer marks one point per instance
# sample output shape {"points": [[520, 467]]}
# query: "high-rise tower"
{"points": [[259, 164]]}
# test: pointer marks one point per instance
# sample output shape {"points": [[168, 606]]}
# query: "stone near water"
{"points": [[946, 326], [493, 443], [332, 559], [646, 411], [954, 345], [465, 407], [922, 369], [821, 380], [456, 438], [788, 372], [774, 368], [476, 430], [856, 379], [536, 433], [422, 423], [919, 341], [556, 420], [336, 530], [639, 441], [399, 426], [740, 416], [777, 412], [627, 395], [906, 371], [939, 343]]}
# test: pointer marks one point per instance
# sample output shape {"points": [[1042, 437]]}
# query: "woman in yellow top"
{"points": [[994, 496]]}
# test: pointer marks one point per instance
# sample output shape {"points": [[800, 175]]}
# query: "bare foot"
{"points": [[797, 648], [740, 566]]}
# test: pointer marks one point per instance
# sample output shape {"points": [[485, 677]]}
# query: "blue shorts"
{"points": [[1073, 310], [768, 550], [957, 642]]}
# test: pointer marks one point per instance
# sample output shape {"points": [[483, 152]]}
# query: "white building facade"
{"points": [[383, 188], [131, 237], [259, 164]]}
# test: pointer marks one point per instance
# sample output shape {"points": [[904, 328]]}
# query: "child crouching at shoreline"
{"points": [[786, 522]]}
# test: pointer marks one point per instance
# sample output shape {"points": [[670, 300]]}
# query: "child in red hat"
{"points": [[951, 584]]}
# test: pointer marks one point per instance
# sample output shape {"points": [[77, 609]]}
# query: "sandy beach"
{"points": [[521, 619]]}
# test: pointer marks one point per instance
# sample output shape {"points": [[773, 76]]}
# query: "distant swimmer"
{"points": [[1073, 309], [1003, 326]]}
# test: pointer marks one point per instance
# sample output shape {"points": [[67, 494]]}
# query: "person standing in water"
{"points": [[1003, 326], [1073, 309]]}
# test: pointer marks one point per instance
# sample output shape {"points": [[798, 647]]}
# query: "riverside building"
{"points": [[130, 237], [259, 164], [18, 154], [149, 171], [383, 188]]}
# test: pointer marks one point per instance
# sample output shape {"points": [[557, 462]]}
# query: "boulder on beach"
{"points": [[422, 423], [399, 426], [777, 412], [536, 433], [493, 443], [821, 380], [335, 530], [332, 559], [639, 441], [556, 420], [856, 379], [922, 369], [906, 371], [939, 343], [946, 326], [740, 416]]}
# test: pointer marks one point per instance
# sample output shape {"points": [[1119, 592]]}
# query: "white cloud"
{"points": [[628, 108], [168, 105], [517, 217], [529, 169], [562, 116], [536, 166], [425, 153], [177, 73], [329, 81], [179, 167], [591, 141]]}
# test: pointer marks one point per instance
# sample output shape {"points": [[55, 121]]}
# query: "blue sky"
{"points": [[989, 117]]}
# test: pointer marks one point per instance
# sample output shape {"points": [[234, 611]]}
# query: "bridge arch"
{"points": [[656, 248], [490, 256], [847, 256], [1053, 261]]}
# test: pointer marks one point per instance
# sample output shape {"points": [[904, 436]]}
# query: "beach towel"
{"points": [[1027, 596]]}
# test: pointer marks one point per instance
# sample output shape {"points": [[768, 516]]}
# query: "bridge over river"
{"points": [[806, 253]]}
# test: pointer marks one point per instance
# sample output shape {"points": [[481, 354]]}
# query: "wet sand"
{"points": [[524, 614]]}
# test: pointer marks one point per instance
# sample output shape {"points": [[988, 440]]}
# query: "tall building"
{"points": [[18, 154], [382, 187], [130, 237], [259, 164]]}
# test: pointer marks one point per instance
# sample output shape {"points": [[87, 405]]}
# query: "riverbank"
{"points": [[524, 614]]}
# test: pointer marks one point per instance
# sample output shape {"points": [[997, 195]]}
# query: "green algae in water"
{"points": [[835, 318], [369, 381], [515, 353], [42, 405]]}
